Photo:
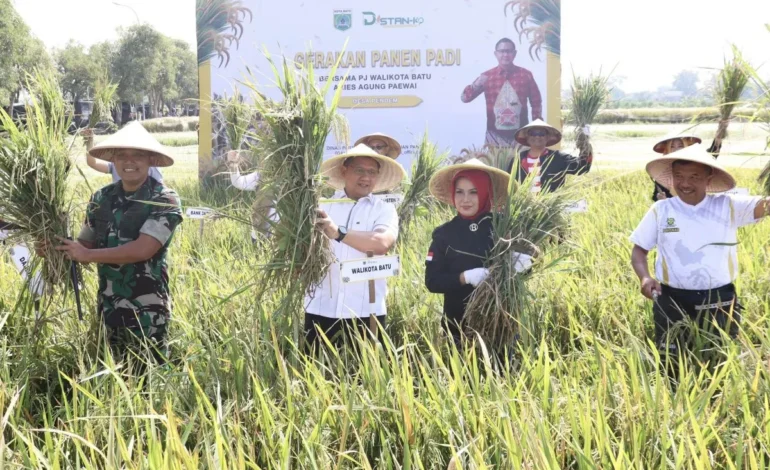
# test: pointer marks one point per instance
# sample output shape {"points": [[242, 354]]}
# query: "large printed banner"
{"points": [[471, 72]]}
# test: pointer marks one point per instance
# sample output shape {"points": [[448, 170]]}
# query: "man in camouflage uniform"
{"points": [[128, 228]]}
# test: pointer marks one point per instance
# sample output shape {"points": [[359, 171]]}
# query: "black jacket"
{"points": [[454, 249], [554, 167]]}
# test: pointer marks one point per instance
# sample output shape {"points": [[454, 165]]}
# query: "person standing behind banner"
{"points": [[665, 146], [108, 167], [696, 237], [506, 88], [128, 228], [354, 228], [455, 262], [550, 167], [383, 144]]}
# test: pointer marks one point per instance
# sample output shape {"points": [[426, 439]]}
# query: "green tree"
{"points": [[77, 72], [186, 74], [686, 81], [144, 66], [20, 52]]}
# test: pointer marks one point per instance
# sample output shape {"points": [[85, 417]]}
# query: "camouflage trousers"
{"points": [[139, 343]]}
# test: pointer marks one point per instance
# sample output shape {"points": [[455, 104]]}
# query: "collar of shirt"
{"points": [[341, 194], [141, 194]]}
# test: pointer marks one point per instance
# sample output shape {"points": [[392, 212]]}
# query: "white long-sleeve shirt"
{"points": [[244, 182]]}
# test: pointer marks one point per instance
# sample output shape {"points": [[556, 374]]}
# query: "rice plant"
{"points": [[219, 26], [545, 19], [416, 197], [731, 81], [293, 151], [238, 117], [105, 100], [500, 309], [34, 166], [589, 95]]}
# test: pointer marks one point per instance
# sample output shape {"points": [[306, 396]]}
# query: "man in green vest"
{"points": [[128, 229]]}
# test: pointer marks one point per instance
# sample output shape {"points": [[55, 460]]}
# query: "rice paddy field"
{"points": [[591, 394]]}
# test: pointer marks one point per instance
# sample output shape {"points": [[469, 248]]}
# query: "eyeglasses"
{"points": [[506, 51], [537, 133], [361, 172], [377, 148]]}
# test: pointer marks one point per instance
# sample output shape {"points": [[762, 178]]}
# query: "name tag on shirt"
{"points": [[395, 199], [577, 206], [369, 269], [199, 212], [738, 192]]}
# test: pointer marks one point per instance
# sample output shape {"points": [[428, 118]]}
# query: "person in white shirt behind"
{"points": [[264, 207], [354, 227], [696, 236]]}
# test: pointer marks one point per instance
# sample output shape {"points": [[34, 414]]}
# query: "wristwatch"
{"points": [[341, 232]]}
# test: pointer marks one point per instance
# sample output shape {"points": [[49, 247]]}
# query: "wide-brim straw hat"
{"points": [[135, 137], [660, 169], [394, 148], [441, 186], [554, 135], [390, 176], [687, 138]]}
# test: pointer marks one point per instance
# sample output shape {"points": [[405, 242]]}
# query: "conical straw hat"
{"points": [[660, 169], [660, 146], [441, 188], [390, 176], [394, 148], [554, 136], [132, 136]]}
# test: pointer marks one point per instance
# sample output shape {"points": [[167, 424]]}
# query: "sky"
{"points": [[646, 43]]}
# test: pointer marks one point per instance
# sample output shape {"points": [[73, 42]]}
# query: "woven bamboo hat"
{"points": [[660, 169], [687, 138], [391, 172], [553, 134], [394, 148], [441, 187], [133, 136]]}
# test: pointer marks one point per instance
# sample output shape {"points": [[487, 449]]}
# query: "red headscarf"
{"points": [[483, 184]]}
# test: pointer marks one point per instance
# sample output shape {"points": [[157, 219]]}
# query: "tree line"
{"points": [[142, 62]]}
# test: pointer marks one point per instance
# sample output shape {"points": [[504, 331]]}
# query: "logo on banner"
{"points": [[371, 19], [343, 19]]}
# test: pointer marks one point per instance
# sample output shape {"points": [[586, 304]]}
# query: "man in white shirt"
{"points": [[362, 224], [696, 237]]}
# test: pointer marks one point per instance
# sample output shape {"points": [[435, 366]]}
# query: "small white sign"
{"points": [[199, 212], [577, 206], [738, 192], [395, 199], [367, 269], [21, 256]]}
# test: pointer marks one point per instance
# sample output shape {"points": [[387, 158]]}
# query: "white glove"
{"points": [[521, 261], [475, 276]]}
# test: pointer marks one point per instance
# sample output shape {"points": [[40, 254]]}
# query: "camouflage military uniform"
{"points": [[134, 299]]}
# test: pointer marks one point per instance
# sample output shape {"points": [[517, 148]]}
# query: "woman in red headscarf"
{"points": [[455, 262]]}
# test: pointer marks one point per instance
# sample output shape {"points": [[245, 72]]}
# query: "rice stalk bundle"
{"points": [[34, 166], [731, 82], [417, 197], [500, 309], [293, 151], [105, 99], [589, 95], [238, 116]]}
